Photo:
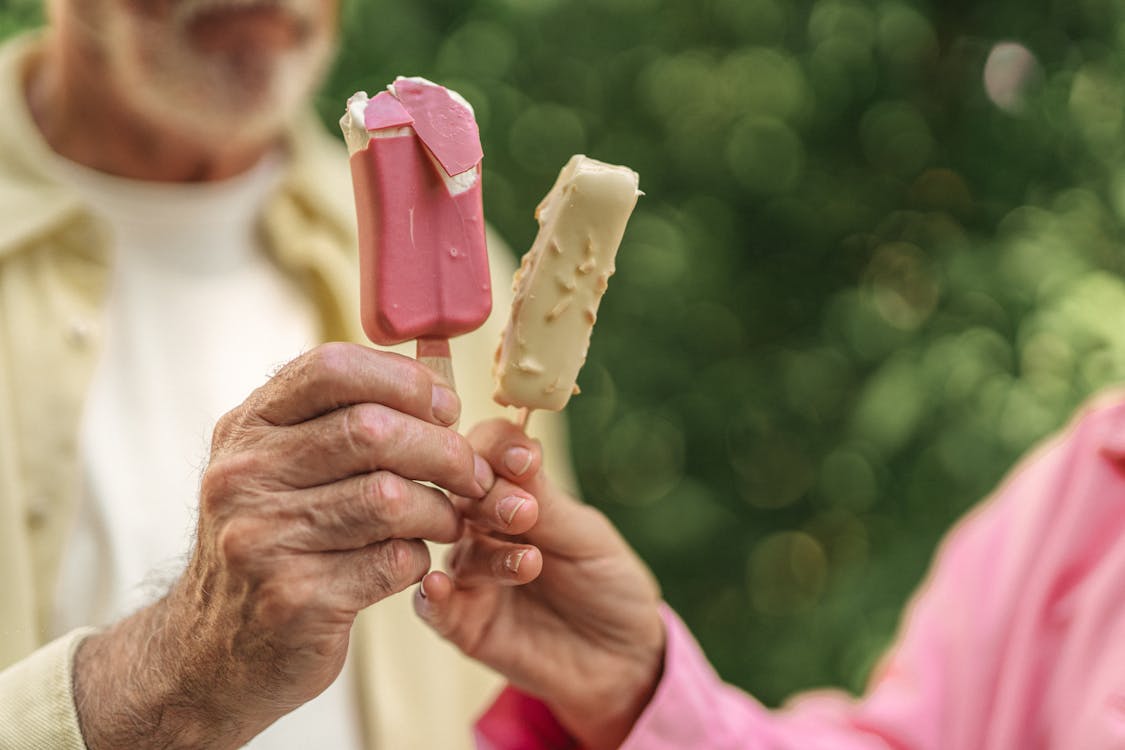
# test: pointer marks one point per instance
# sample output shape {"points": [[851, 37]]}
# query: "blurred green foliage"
{"points": [[865, 278], [860, 285]]}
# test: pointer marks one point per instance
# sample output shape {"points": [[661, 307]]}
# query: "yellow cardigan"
{"points": [[416, 691]]}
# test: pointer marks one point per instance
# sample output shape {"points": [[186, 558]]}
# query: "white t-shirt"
{"points": [[197, 317]]}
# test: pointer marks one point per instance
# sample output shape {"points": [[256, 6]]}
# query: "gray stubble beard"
{"points": [[232, 99]]}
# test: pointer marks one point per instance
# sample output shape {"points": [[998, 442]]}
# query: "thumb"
{"points": [[435, 603], [460, 616]]}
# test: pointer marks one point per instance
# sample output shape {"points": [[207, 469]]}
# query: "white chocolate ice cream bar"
{"points": [[560, 283]]}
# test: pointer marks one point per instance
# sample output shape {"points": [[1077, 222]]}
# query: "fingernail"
{"points": [[509, 507], [517, 460], [513, 560], [422, 588], [445, 404], [485, 477]]}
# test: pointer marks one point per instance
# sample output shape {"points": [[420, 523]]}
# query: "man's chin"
{"points": [[228, 102], [223, 76]]}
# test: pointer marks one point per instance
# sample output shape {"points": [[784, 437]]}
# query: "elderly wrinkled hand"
{"points": [[543, 589], [310, 510]]}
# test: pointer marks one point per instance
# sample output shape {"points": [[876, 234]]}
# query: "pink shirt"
{"points": [[1016, 641]]}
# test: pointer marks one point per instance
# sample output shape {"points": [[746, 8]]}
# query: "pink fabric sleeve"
{"points": [[995, 651], [517, 720]]}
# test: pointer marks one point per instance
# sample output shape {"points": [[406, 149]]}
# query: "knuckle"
{"points": [[236, 544], [214, 488], [404, 562], [223, 428], [261, 395], [228, 428], [218, 484], [388, 496], [226, 478], [366, 426], [399, 558], [328, 362]]}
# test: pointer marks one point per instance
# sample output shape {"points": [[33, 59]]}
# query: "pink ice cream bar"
{"points": [[416, 168]]}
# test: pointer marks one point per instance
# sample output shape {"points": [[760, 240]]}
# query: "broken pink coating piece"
{"points": [[423, 257], [444, 125], [385, 111]]}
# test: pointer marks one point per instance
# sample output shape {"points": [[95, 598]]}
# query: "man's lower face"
{"points": [[229, 69]]}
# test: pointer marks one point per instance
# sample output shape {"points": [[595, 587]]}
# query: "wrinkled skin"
{"points": [[310, 510]]}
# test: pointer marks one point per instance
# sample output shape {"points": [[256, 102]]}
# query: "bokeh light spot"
{"points": [[942, 189], [865, 332], [763, 82], [892, 404], [716, 327], [761, 21], [847, 480], [787, 572], [679, 86], [816, 381], [903, 285], [478, 49], [1047, 352], [532, 6], [644, 458], [842, 71], [896, 138], [598, 406], [959, 365], [545, 136], [654, 252], [775, 469], [1009, 74], [906, 38], [631, 6], [834, 19], [688, 516], [765, 155], [1097, 101], [1024, 413], [842, 536]]}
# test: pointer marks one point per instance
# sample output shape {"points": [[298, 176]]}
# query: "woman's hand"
{"points": [[545, 591]]}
